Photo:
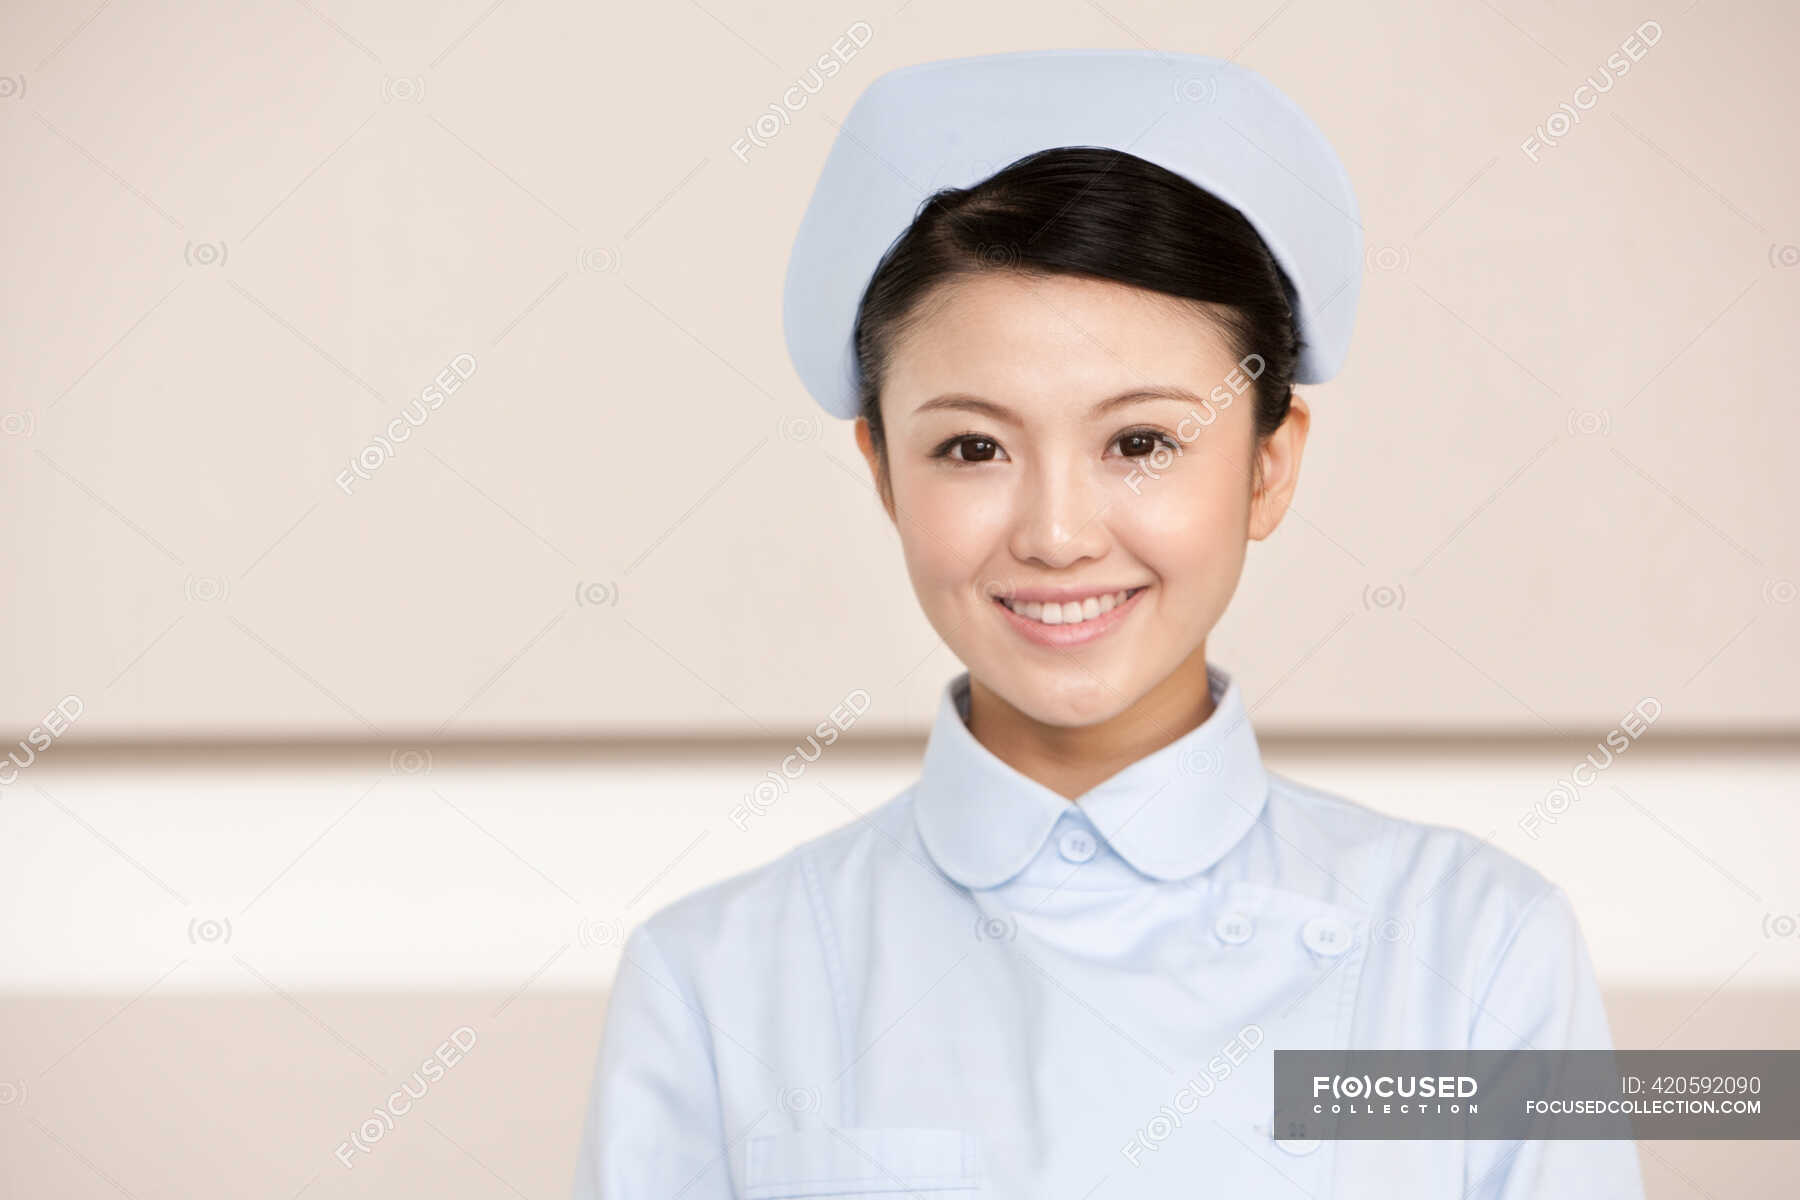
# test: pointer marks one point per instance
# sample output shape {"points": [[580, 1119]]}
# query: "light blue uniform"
{"points": [[982, 989]]}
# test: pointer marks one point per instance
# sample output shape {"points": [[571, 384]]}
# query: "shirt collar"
{"points": [[1170, 814]]}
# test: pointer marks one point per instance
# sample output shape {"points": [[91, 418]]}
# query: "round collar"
{"points": [[1170, 814]]}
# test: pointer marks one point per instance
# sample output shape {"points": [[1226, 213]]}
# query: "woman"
{"points": [[1059, 963]]}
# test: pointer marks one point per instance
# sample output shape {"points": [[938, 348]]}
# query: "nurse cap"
{"points": [[954, 122]]}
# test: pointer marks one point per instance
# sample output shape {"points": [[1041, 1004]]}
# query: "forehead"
{"points": [[1044, 343]]}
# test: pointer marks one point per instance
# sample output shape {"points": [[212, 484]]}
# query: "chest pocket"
{"points": [[826, 1163]]}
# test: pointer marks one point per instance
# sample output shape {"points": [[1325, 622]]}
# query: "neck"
{"points": [[1070, 760]]}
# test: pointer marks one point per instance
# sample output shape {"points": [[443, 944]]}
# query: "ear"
{"points": [[1278, 459], [865, 441]]}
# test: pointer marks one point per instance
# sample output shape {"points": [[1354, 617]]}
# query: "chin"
{"points": [[1060, 693]]}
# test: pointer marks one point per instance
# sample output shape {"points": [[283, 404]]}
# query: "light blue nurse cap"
{"points": [[954, 122]]}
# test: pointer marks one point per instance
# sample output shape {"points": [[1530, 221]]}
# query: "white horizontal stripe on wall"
{"points": [[473, 870]]}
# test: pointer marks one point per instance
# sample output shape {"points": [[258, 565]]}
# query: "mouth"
{"points": [[1070, 623]]}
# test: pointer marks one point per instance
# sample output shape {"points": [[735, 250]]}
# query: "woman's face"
{"points": [[1054, 441]]}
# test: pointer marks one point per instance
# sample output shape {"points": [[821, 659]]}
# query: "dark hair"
{"points": [[1089, 211]]}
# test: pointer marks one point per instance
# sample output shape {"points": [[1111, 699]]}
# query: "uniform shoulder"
{"points": [[1491, 927], [1414, 863]]}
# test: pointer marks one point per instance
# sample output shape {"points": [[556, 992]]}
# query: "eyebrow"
{"points": [[965, 402]]}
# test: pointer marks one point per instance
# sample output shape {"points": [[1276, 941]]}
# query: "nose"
{"points": [[1060, 514]]}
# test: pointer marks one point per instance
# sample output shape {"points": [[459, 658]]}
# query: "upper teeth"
{"points": [[1070, 612]]}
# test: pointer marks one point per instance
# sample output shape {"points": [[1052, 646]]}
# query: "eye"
{"points": [[975, 448], [1135, 443]]}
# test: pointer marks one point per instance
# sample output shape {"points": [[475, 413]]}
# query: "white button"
{"points": [[1326, 934], [1077, 845], [1234, 928]]}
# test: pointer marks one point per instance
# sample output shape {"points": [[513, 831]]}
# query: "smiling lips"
{"points": [[1068, 622]]}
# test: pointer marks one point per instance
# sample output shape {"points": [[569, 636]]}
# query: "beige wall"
{"points": [[1551, 481]]}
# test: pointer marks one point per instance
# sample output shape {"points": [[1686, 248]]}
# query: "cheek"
{"points": [[1186, 523], [947, 530]]}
